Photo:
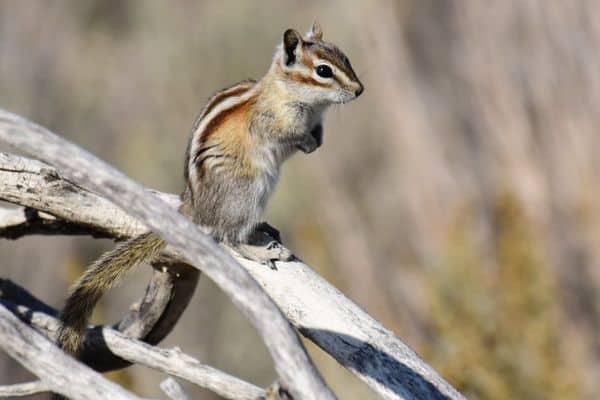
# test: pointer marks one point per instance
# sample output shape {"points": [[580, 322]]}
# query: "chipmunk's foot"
{"points": [[269, 230], [264, 247]]}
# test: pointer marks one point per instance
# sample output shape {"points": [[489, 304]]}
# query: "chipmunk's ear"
{"points": [[291, 45], [315, 31]]}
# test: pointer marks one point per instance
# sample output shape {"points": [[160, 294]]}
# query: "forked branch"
{"points": [[170, 361], [295, 369], [49, 363], [317, 309]]}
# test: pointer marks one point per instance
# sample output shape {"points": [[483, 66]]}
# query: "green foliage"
{"points": [[495, 330]]}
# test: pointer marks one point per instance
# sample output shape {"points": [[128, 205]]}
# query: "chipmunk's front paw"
{"points": [[309, 143], [317, 134]]}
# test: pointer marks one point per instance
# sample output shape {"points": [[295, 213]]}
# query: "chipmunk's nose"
{"points": [[360, 89]]}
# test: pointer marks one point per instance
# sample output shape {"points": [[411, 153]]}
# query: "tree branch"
{"points": [[65, 208], [23, 389], [22, 180], [21, 221], [150, 320], [173, 389], [325, 316], [171, 361], [294, 368], [49, 363]]}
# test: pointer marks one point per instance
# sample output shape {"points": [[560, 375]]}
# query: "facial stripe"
{"points": [[334, 56], [307, 60], [318, 51], [308, 79], [338, 75], [303, 67]]}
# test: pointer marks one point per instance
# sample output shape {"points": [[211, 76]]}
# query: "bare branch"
{"points": [[22, 180], [19, 180], [167, 296], [336, 324], [61, 373], [152, 319], [23, 389], [294, 368], [342, 329], [176, 363], [77, 212], [171, 361], [21, 221]]}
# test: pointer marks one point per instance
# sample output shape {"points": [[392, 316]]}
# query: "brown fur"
{"points": [[226, 119], [216, 98], [227, 132]]}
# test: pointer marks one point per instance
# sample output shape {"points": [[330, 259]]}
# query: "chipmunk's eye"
{"points": [[324, 71]]}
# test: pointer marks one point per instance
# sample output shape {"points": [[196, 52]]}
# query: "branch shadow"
{"points": [[394, 375]]}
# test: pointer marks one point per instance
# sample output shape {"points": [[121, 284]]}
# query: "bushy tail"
{"points": [[102, 275]]}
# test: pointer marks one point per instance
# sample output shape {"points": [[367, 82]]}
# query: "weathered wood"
{"points": [[22, 180], [171, 361], [337, 325], [49, 363], [65, 208], [173, 389], [21, 221], [343, 329], [166, 298], [151, 320], [23, 389], [340, 328], [176, 363], [294, 368]]}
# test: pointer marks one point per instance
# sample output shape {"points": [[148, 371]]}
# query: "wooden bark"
{"points": [[317, 309], [23, 389], [48, 362], [171, 361], [153, 317], [295, 370], [173, 389]]}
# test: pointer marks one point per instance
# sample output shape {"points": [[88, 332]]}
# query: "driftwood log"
{"points": [[80, 194]]}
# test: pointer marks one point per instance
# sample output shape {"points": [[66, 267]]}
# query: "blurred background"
{"points": [[458, 200]]}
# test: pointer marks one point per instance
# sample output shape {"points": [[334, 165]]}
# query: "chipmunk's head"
{"points": [[316, 72]]}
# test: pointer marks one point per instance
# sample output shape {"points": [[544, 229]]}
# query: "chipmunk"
{"points": [[238, 143]]}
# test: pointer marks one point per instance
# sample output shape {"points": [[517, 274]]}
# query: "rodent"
{"points": [[237, 145]]}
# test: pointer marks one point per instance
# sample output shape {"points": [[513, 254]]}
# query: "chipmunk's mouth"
{"points": [[347, 96]]}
